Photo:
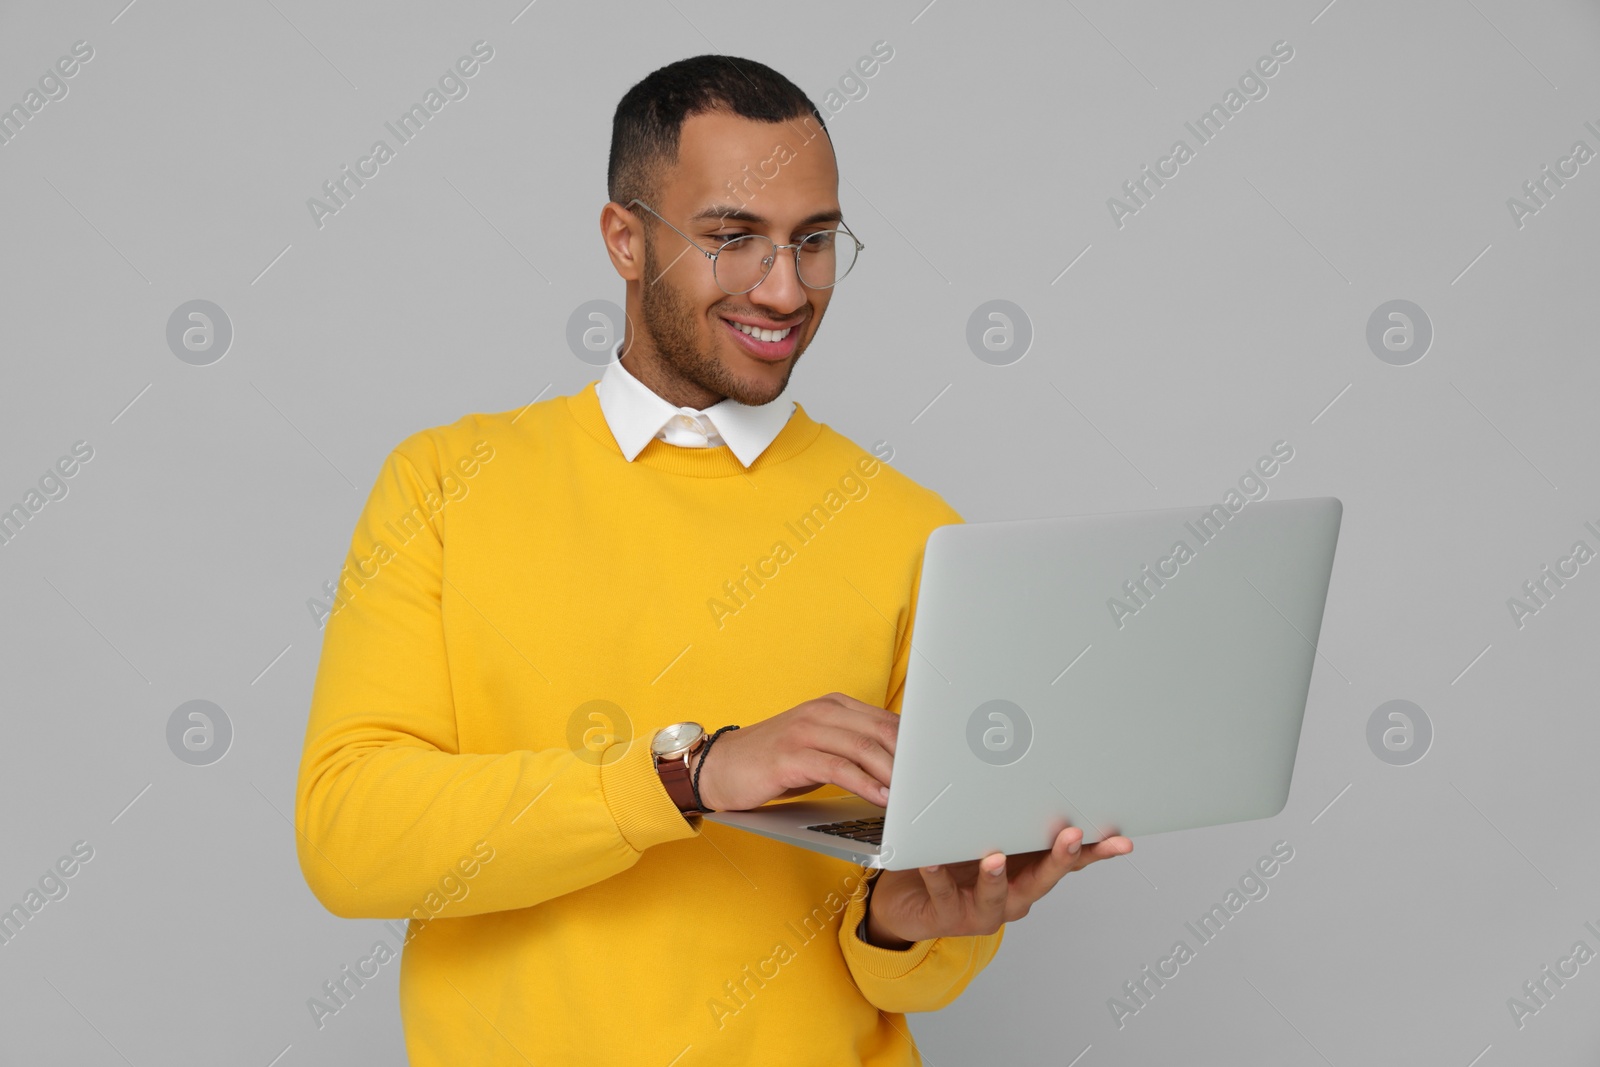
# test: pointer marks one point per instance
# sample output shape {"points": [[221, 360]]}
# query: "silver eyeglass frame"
{"points": [[776, 248]]}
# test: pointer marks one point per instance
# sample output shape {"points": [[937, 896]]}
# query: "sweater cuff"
{"points": [[644, 812], [874, 959]]}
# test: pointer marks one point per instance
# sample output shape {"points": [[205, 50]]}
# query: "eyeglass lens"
{"points": [[824, 258]]}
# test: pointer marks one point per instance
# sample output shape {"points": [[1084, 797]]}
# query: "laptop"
{"points": [[1131, 673]]}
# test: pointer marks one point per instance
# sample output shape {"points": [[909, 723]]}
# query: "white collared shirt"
{"points": [[637, 415]]}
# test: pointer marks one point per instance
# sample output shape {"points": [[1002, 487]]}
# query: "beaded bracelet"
{"points": [[694, 780]]}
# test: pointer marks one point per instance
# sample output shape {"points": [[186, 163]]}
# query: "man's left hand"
{"points": [[977, 896]]}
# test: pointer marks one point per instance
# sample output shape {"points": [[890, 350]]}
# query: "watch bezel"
{"points": [[679, 747]]}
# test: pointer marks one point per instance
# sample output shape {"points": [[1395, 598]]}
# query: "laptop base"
{"points": [[787, 821]]}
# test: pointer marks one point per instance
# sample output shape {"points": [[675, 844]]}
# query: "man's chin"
{"points": [[765, 385], [756, 396]]}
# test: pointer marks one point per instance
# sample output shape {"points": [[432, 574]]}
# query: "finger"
{"points": [[1104, 849], [862, 749], [943, 894], [1045, 868], [991, 892], [881, 724], [824, 766]]}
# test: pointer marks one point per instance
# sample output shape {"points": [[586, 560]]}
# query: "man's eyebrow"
{"points": [[729, 213]]}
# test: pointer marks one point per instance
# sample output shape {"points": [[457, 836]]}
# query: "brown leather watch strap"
{"points": [[675, 777]]}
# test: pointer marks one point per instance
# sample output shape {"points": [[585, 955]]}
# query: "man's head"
{"points": [[717, 146]]}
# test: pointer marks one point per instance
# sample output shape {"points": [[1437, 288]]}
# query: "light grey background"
{"points": [[1227, 314]]}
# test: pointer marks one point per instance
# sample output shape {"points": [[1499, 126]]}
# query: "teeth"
{"points": [[761, 335]]}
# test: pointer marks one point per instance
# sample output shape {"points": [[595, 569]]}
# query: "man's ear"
{"points": [[623, 234]]}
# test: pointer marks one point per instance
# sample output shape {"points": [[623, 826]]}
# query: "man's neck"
{"points": [[675, 391]]}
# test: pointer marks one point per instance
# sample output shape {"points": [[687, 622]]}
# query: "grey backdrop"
{"points": [[1229, 312]]}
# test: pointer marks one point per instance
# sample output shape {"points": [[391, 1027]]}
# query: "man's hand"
{"points": [[835, 740], [977, 896]]}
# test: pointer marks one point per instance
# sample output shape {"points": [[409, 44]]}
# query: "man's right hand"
{"points": [[832, 740]]}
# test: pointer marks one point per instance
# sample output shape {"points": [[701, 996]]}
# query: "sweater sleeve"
{"points": [[929, 974], [926, 976], [387, 809]]}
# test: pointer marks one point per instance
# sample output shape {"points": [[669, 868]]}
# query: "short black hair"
{"points": [[649, 117]]}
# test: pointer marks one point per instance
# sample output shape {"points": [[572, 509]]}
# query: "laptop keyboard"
{"points": [[868, 831]]}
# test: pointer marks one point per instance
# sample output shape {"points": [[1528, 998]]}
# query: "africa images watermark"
{"points": [[1253, 86], [52, 486], [52, 887], [412, 523], [1140, 590], [452, 889], [52, 86], [1540, 590], [1538, 991], [738, 993], [811, 523], [1252, 887], [852, 85], [452, 86], [853, 82], [1541, 190]]}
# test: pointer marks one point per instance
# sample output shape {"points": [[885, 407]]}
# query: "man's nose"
{"points": [[781, 290]]}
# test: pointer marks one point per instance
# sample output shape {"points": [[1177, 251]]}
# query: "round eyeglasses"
{"points": [[820, 259]]}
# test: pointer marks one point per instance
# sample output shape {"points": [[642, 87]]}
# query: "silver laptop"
{"points": [[1129, 674]]}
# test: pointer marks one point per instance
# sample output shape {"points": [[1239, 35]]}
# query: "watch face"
{"points": [[675, 738]]}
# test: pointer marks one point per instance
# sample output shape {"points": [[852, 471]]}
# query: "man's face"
{"points": [[685, 317]]}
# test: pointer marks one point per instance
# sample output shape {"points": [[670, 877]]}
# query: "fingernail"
{"points": [[1075, 846], [1000, 869]]}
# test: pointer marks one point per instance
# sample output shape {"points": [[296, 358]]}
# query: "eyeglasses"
{"points": [[743, 262]]}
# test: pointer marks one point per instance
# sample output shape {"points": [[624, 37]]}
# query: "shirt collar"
{"points": [[636, 415]]}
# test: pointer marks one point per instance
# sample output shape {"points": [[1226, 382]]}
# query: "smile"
{"points": [[769, 346], [760, 334]]}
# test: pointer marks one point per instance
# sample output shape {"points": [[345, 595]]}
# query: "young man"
{"points": [[532, 597]]}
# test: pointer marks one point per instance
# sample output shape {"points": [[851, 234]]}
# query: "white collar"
{"points": [[637, 415]]}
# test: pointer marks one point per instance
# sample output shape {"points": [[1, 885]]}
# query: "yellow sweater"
{"points": [[520, 611]]}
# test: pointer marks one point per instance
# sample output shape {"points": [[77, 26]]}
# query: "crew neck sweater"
{"points": [[520, 609]]}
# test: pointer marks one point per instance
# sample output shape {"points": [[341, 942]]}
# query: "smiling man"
{"points": [[515, 724]]}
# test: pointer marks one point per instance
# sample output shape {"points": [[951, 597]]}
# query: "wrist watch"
{"points": [[671, 750]]}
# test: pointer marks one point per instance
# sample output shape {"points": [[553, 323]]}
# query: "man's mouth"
{"points": [[762, 341], [758, 333]]}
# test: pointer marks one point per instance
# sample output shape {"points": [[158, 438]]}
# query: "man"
{"points": [[532, 596]]}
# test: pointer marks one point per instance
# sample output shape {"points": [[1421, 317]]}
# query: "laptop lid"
{"points": [[1128, 673]]}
